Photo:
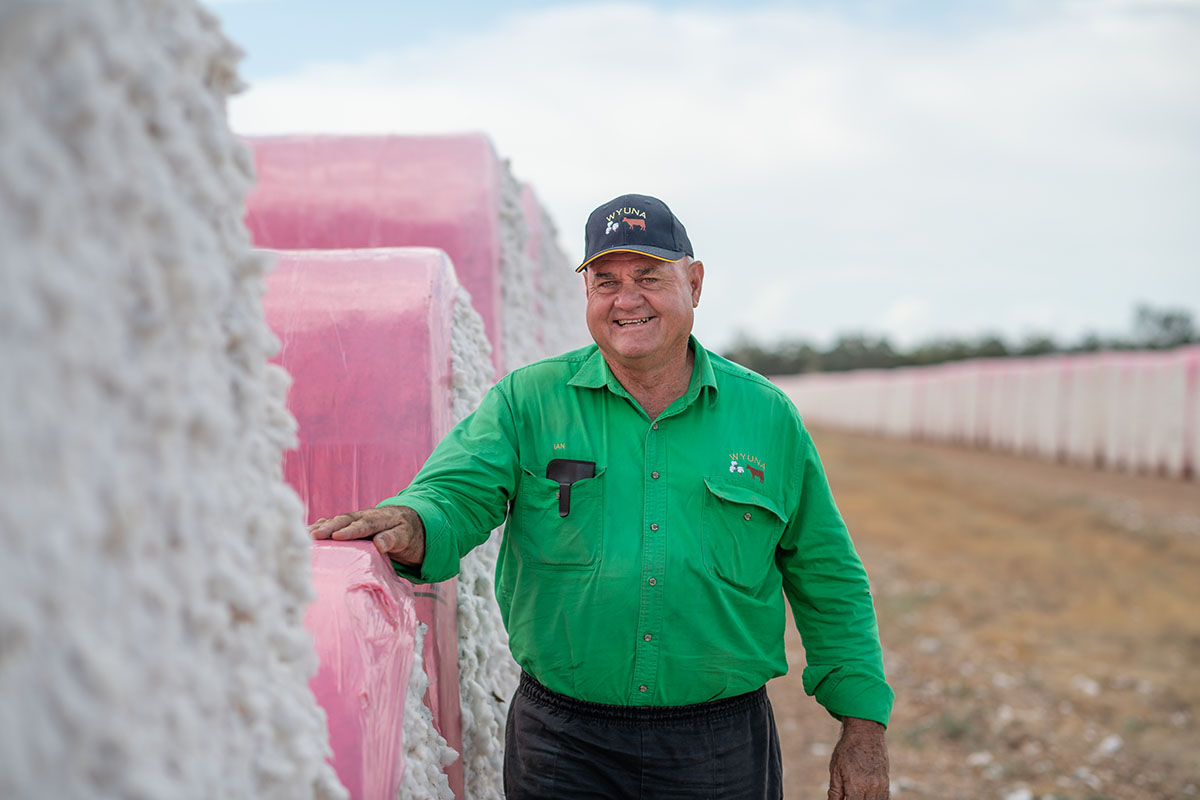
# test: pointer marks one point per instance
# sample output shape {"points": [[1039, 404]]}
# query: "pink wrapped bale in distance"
{"points": [[366, 336], [1190, 457], [334, 192], [1157, 408], [1119, 417], [1087, 409], [1121, 410]]}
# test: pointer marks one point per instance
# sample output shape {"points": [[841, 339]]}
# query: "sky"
{"points": [[890, 167]]}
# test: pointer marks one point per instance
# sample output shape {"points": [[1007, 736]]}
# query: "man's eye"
{"points": [[649, 280]]}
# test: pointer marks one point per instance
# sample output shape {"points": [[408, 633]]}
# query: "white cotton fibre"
{"points": [[487, 675], [518, 284], [155, 566], [561, 305], [425, 751], [542, 316]]}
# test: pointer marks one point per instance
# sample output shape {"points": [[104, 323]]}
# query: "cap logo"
{"points": [[633, 217]]}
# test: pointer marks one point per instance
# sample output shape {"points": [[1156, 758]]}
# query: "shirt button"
{"points": [[746, 516], [654, 426], [643, 688], [647, 637], [653, 581], [654, 475], [653, 526]]}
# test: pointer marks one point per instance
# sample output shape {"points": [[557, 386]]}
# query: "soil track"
{"points": [[1041, 626]]}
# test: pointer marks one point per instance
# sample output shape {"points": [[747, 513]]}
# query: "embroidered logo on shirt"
{"points": [[560, 446], [741, 463]]}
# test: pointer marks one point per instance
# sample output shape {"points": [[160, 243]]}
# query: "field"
{"points": [[1040, 623]]}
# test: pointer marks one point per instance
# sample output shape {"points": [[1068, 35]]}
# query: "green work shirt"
{"points": [[664, 583]]}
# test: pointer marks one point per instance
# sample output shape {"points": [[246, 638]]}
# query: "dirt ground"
{"points": [[1040, 625]]}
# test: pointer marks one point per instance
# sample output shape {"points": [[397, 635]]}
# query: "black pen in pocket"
{"points": [[566, 471]]}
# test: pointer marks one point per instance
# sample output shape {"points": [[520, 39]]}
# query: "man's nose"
{"points": [[629, 295]]}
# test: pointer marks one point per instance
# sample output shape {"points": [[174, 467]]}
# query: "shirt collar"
{"points": [[595, 374], [702, 373]]}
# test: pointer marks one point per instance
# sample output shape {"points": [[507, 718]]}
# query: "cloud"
{"points": [[906, 318], [838, 169]]}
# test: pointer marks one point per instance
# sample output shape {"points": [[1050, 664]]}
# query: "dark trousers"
{"points": [[557, 747]]}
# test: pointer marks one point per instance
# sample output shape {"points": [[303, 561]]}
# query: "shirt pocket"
{"points": [[543, 538], [740, 527]]}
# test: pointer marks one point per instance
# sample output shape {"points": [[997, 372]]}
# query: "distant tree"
{"points": [[857, 351], [1091, 343], [1153, 328], [937, 351], [1162, 328], [991, 346], [1038, 345], [788, 357]]}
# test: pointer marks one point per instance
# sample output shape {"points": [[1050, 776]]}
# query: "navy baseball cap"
{"points": [[634, 223]]}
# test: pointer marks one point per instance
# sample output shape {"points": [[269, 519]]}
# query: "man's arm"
{"points": [[397, 531], [830, 595]]}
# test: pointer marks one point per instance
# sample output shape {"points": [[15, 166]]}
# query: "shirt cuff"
{"points": [[441, 555], [850, 695]]}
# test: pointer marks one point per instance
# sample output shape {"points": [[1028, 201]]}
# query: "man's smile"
{"points": [[624, 323]]}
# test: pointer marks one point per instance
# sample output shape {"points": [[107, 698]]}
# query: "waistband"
{"points": [[714, 709]]}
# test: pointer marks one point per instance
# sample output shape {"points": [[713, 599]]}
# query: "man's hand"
{"points": [[397, 531], [859, 767]]}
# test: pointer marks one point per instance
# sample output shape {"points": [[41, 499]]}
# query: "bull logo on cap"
{"points": [[634, 223]]}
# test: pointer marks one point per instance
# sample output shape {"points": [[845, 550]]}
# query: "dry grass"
{"points": [[1041, 626]]}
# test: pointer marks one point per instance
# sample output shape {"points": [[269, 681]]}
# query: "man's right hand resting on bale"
{"points": [[397, 531]]}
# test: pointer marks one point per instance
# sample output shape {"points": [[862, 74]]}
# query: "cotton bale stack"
{"points": [[151, 638], [452, 193], [368, 337]]}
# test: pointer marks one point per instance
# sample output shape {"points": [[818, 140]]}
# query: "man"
{"points": [[661, 502]]}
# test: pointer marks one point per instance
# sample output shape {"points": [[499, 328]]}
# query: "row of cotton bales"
{"points": [[156, 569], [1136, 411], [377, 239], [154, 572]]}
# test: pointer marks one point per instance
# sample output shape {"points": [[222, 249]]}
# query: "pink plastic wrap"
{"points": [[326, 192], [365, 335], [1190, 366], [363, 622]]}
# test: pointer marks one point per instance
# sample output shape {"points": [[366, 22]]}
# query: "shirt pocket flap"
{"points": [[537, 473], [736, 492]]}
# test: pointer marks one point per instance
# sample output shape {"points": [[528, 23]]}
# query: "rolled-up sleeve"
{"points": [[464, 489], [828, 590]]}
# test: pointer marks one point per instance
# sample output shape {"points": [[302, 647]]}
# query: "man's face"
{"points": [[639, 309]]}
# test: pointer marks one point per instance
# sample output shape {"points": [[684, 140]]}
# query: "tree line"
{"points": [[1152, 329]]}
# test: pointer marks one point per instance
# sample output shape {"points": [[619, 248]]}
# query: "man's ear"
{"points": [[696, 280]]}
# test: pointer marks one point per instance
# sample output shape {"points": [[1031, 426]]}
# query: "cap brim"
{"points": [[662, 254]]}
